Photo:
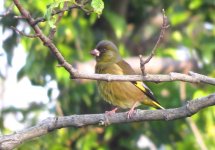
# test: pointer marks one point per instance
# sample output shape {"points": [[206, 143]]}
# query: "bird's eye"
{"points": [[103, 49]]}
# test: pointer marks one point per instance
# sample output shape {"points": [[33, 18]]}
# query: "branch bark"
{"points": [[173, 76], [8, 142], [75, 74], [11, 141], [163, 29], [155, 66]]}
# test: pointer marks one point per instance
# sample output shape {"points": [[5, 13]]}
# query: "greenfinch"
{"points": [[121, 94]]}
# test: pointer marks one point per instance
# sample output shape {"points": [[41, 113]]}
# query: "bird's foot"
{"points": [[113, 111], [130, 113]]}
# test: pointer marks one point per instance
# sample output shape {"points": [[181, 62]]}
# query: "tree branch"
{"points": [[8, 11], [8, 142], [78, 6], [155, 66], [173, 76], [53, 29], [50, 124], [106, 77], [193, 126], [162, 32], [158, 65], [201, 77], [22, 33]]}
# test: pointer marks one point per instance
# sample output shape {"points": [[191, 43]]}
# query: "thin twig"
{"points": [[42, 19], [8, 11], [190, 121], [24, 34], [19, 17], [51, 124], [106, 77], [197, 134], [53, 30], [81, 7], [162, 32]]}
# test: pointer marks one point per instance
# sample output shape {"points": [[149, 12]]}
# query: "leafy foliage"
{"points": [[98, 6]]}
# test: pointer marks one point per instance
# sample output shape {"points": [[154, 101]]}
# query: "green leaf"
{"points": [[195, 4], [50, 8], [98, 6], [48, 15], [179, 17]]}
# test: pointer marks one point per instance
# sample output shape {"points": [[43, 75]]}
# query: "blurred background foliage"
{"points": [[134, 26]]}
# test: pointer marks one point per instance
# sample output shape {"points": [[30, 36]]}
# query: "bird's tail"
{"points": [[157, 105]]}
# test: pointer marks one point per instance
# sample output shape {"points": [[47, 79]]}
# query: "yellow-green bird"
{"points": [[120, 94]]}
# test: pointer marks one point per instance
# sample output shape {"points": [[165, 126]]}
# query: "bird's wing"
{"points": [[140, 85], [145, 89], [126, 67]]}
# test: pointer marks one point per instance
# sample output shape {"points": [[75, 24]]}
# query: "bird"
{"points": [[126, 95]]}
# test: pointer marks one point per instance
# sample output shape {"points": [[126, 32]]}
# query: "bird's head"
{"points": [[106, 52]]}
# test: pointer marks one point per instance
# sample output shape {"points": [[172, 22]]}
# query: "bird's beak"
{"points": [[95, 52]]}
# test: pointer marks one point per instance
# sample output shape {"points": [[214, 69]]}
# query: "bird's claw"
{"points": [[111, 112], [130, 113]]}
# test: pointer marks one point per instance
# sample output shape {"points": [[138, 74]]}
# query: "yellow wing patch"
{"points": [[149, 93], [158, 105], [140, 86]]}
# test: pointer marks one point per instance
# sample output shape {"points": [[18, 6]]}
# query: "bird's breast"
{"points": [[122, 94]]}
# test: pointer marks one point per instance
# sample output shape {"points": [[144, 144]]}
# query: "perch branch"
{"points": [[201, 77], [173, 76], [106, 77], [8, 142]]}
